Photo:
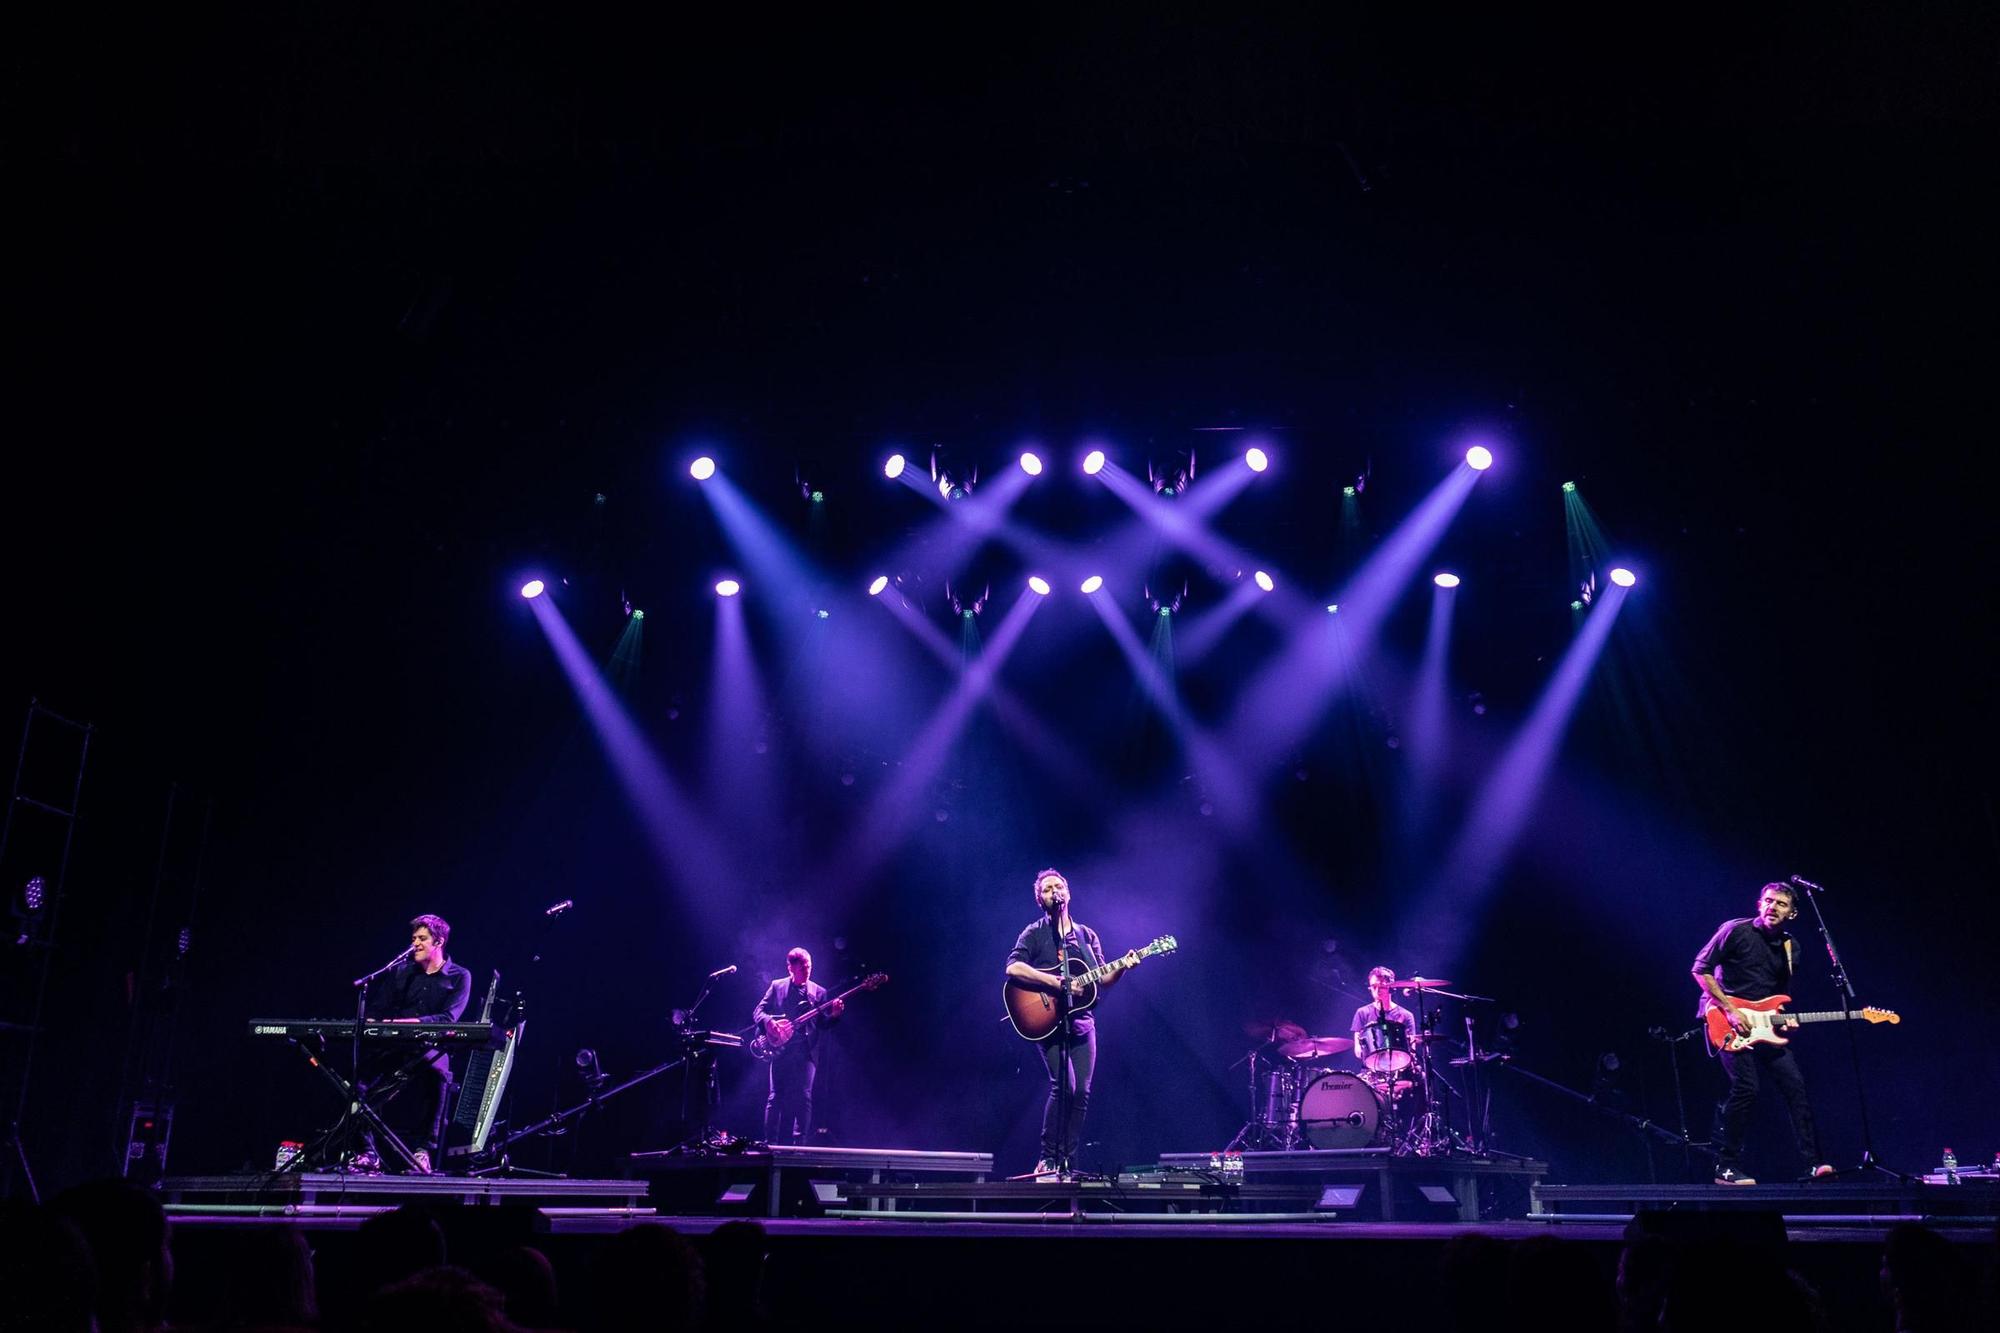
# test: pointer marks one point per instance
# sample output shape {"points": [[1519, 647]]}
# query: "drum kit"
{"points": [[1395, 1100]]}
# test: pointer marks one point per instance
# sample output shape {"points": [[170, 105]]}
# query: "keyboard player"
{"points": [[426, 987]]}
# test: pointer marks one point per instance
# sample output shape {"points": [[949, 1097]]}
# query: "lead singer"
{"points": [[1040, 958]]}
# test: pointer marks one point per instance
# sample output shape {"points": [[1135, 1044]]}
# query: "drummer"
{"points": [[1383, 1010]]}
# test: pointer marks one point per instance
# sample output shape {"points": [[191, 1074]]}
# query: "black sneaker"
{"points": [[1729, 1176]]}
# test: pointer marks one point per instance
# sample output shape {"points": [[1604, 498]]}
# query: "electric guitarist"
{"points": [[793, 1071], [1041, 960], [1747, 959]]}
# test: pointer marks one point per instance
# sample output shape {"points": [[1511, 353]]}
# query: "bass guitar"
{"points": [[767, 1045], [1035, 1013], [1767, 1022]]}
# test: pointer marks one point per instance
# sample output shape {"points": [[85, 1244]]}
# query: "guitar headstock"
{"points": [[1881, 1015], [1164, 944], [876, 982]]}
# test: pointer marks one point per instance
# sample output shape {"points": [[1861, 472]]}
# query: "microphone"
{"points": [[559, 908], [1805, 884], [722, 973]]}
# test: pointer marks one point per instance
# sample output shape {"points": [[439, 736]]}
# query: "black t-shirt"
{"points": [[1748, 963], [429, 997], [1039, 948]]}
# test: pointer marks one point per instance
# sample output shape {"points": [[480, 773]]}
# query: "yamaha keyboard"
{"points": [[451, 1036]]}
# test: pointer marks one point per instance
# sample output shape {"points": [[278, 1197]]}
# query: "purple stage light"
{"points": [[1093, 583], [702, 468], [1333, 608], [1039, 584], [33, 894], [1479, 458], [532, 589], [881, 582], [1031, 464], [1264, 580], [1445, 579], [1623, 577], [1257, 459], [728, 588], [1093, 462], [894, 467]]}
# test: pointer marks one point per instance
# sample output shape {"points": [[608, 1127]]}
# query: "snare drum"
{"points": [[1339, 1110], [1384, 1047]]}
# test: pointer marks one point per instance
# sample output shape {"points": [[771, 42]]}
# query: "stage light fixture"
{"points": [[1576, 606], [894, 467], [1347, 491], [1479, 458], [1166, 611], [1039, 584], [1264, 580], [822, 613], [1093, 462], [1333, 608], [637, 614], [1093, 583], [1257, 459], [819, 497], [1445, 579], [1623, 577], [728, 588], [1569, 487], [33, 894], [881, 582], [1031, 465], [702, 468], [532, 589]]}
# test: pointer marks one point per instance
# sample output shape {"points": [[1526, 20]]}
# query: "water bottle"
{"points": [[1950, 1167], [288, 1149]]}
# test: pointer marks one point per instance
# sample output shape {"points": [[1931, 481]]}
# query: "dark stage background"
{"points": [[328, 326]]}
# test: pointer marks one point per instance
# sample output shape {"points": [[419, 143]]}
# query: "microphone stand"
{"points": [[1672, 1041], [361, 1016], [1845, 985]]}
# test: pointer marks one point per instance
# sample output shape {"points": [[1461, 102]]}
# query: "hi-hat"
{"points": [[1304, 1046], [1276, 1029], [1419, 983]]}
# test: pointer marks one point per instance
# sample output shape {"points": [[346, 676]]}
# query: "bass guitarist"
{"points": [[1753, 958], [1041, 958], [792, 1072]]}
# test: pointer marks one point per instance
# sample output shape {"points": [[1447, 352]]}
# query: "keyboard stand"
{"points": [[333, 1150]]}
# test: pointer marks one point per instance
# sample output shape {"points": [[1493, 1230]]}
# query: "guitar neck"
{"points": [[823, 1005], [1116, 965], [1823, 1016]]}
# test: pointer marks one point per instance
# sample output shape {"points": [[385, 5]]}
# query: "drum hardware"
{"points": [[1303, 1047]]}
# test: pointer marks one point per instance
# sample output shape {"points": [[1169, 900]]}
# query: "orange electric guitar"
{"points": [[1766, 1022]]}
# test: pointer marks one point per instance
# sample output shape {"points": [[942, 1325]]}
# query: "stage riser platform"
{"points": [[1971, 1202]]}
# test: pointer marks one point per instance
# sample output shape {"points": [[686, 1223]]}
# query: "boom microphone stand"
{"points": [[1845, 986]]}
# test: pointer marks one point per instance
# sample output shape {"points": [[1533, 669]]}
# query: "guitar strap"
{"points": [[1790, 967]]}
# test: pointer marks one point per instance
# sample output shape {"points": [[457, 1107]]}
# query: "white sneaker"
{"points": [[1046, 1173], [423, 1160], [1729, 1177]]}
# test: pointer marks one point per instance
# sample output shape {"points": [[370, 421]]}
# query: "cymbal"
{"points": [[1419, 983], [1304, 1046], [1276, 1029]]}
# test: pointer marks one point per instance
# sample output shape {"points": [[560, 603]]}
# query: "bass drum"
{"points": [[1339, 1110]]}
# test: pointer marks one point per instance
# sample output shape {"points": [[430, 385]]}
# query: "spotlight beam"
{"points": [[1284, 702], [675, 828], [1446, 914], [887, 822], [1059, 759]]}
